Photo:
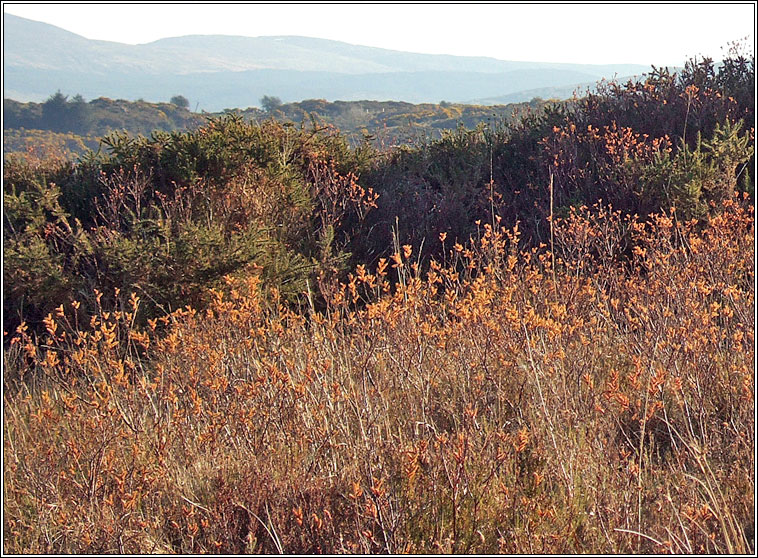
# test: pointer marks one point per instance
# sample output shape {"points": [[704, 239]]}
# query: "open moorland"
{"points": [[534, 336]]}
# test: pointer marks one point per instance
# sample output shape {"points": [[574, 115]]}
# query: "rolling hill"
{"points": [[217, 72]]}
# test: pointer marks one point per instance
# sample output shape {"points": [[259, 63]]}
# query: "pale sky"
{"points": [[642, 33]]}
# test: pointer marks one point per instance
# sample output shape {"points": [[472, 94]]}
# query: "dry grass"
{"points": [[493, 404]]}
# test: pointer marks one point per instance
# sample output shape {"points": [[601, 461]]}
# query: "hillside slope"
{"points": [[217, 72]]}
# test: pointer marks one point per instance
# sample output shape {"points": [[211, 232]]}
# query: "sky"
{"points": [[662, 34]]}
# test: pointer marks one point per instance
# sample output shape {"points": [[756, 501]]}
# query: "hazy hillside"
{"points": [[217, 72]]}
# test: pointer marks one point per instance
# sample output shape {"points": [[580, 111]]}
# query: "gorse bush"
{"points": [[168, 216], [617, 143]]}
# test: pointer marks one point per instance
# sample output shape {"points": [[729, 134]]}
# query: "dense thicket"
{"points": [[682, 140], [169, 215]]}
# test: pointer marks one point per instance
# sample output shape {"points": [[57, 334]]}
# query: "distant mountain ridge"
{"points": [[217, 72]]}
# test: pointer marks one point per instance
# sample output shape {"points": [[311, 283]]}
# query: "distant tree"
{"points": [[270, 104], [78, 115], [180, 101], [54, 112], [59, 114]]}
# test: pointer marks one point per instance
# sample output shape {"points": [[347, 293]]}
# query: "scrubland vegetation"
{"points": [[529, 337], [98, 117], [72, 126]]}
